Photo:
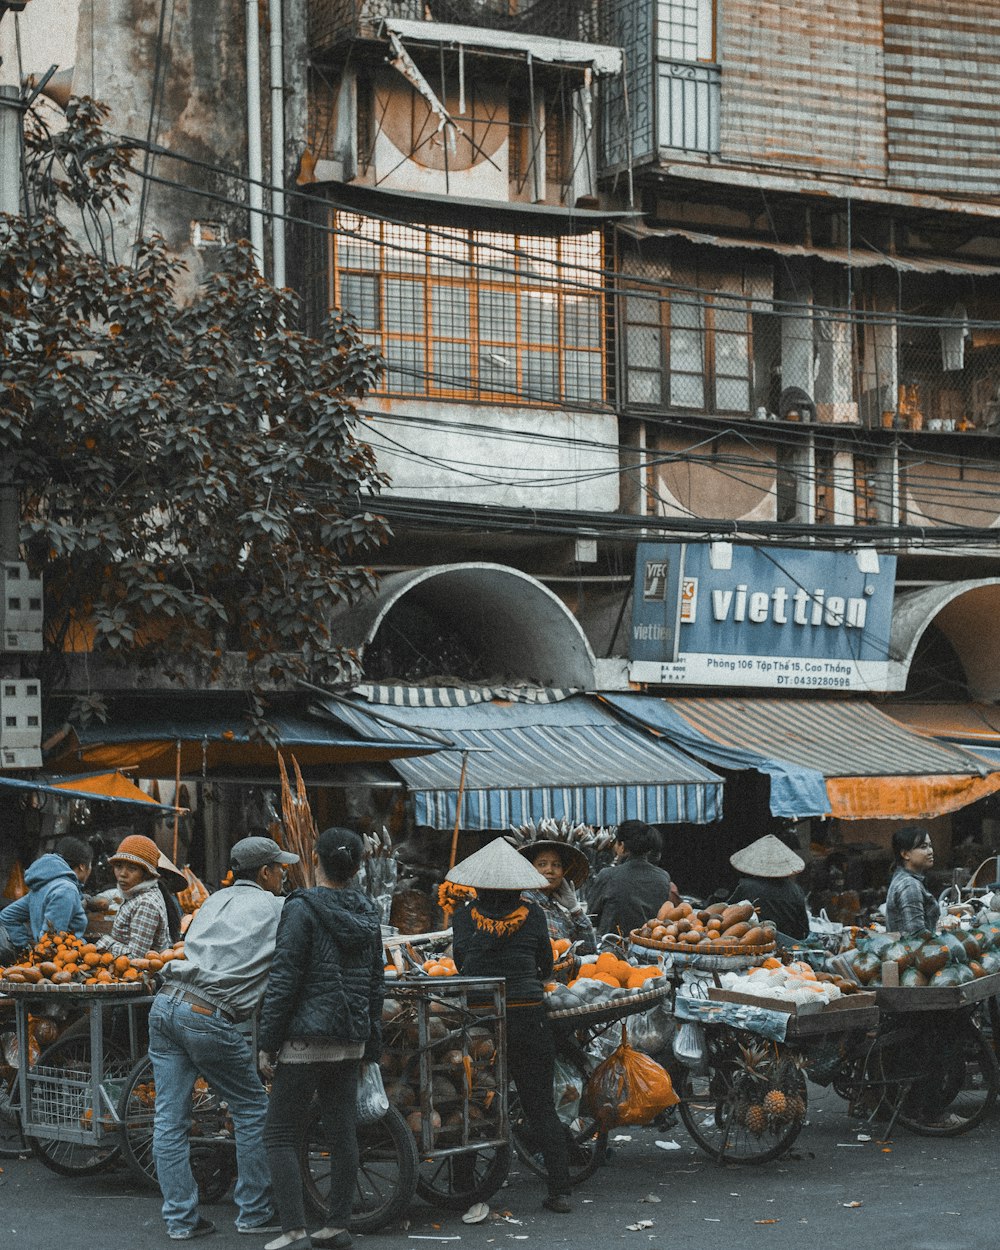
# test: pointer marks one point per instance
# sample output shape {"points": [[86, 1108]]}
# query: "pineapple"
{"points": [[756, 1120], [776, 1104]]}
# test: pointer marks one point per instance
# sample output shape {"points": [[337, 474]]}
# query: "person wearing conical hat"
{"points": [[767, 870], [500, 933], [565, 868]]}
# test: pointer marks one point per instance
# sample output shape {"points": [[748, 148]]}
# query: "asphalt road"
{"points": [[834, 1191]]}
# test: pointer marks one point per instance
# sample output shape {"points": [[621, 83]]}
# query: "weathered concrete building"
{"points": [[642, 270]]}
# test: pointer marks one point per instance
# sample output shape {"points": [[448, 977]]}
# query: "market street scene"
{"points": [[499, 622]]}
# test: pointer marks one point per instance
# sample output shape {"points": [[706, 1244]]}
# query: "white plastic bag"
{"points": [[689, 1045], [372, 1100]]}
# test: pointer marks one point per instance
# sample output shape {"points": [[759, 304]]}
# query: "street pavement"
{"points": [[834, 1191]]}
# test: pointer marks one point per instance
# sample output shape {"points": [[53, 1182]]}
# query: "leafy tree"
{"points": [[190, 477]]}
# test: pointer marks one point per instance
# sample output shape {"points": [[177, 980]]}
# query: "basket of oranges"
{"points": [[62, 962]]}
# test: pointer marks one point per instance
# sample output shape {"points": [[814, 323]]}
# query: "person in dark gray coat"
{"points": [[320, 1023], [621, 898]]}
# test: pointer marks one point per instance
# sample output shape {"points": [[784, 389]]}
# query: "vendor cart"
{"points": [[68, 1099], [445, 1070], [577, 1029]]}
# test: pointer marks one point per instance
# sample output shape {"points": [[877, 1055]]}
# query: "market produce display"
{"points": [[796, 983], [950, 957], [721, 929], [63, 960]]}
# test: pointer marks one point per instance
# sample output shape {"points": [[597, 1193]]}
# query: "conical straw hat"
{"points": [[497, 867], [576, 866], [767, 857]]}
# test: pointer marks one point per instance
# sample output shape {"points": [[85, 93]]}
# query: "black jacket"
{"points": [[626, 895], [523, 958], [327, 978], [778, 899]]}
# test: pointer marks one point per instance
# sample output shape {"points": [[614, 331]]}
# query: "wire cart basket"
{"points": [[445, 1067], [68, 1099]]}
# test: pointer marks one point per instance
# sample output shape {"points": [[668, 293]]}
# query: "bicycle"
{"points": [[587, 1137], [386, 1173]]}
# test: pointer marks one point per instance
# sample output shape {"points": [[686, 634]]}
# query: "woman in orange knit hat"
{"points": [[141, 924]]}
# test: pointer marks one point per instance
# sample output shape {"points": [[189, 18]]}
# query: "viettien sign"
{"points": [[720, 615]]}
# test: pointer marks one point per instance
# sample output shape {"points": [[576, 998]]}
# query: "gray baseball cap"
{"points": [[257, 853]]}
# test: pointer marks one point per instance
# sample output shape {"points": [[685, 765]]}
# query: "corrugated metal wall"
{"points": [[942, 81], [803, 84]]}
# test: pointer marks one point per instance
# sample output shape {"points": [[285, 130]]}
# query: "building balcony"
{"points": [[333, 22]]}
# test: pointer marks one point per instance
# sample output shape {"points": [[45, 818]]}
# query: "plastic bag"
{"points": [[689, 1045], [651, 1031], [372, 1100], [567, 1091], [629, 1088], [194, 893]]}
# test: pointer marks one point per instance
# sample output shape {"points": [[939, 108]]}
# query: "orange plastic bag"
{"points": [[629, 1088], [194, 893]]}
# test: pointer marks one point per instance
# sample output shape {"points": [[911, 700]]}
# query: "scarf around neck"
{"points": [[499, 926]]}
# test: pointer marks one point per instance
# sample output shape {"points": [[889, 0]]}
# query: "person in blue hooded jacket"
{"points": [[54, 902]]}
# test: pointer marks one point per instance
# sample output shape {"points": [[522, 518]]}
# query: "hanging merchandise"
{"points": [[15, 887], [629, 1087]]}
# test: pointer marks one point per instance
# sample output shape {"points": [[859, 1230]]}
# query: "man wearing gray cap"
{"points": [[193, 1032]]}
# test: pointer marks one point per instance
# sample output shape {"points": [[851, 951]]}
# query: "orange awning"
{"points": [[905, 798]]}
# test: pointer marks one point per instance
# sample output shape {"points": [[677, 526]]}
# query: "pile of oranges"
{"points": [[616, 972], [64, 959]]}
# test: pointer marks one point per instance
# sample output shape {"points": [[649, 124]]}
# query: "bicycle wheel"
{"points": [[213, 1154], [748, 1107], [957, 1086], [12, 1143], [387, 1170], [457, 1181], [70, 1105], [587, 1141]]}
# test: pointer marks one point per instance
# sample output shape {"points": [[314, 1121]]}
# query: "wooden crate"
{"points": [[852, 1011]]}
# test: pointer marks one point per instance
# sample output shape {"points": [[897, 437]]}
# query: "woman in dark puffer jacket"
{"points": [[320, 1023]]}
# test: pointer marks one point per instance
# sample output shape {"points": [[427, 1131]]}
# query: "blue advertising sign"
{"points": [[766, 616]]}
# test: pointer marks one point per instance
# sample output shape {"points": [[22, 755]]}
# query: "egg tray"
{"points": [[602, 1011], [15, 989]]}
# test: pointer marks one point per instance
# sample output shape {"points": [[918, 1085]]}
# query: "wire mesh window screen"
{"points": [[475, 314], [688, 349]]}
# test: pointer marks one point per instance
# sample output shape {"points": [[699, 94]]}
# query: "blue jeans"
{"points": [[183, 1045], [336, 1088]]}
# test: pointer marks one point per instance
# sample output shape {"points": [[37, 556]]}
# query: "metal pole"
{"points": [[277, 49], [255, 168], [10, 202], [458, 810]]}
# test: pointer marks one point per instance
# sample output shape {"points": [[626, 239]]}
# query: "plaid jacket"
{"points": [[140, 925]]}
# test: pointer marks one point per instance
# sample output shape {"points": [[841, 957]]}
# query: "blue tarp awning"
{"points": [[797, 791], [837, 757], [208, 733], [527, 761]]}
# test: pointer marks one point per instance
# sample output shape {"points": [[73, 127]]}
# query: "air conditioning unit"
{"points": [[20, 609], [20, 722]]}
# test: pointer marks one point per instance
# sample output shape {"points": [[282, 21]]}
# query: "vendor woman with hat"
{"points": [[766, 869], [565, 868], [501, 933], [141, 924]]}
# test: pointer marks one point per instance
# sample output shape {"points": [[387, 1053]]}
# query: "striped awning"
{"points": [[458, 696], [528, 761], [870, 766]]}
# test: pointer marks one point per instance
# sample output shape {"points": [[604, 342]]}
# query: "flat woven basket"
{"points": [[17, 990], [616, 1009], [716, 951]]}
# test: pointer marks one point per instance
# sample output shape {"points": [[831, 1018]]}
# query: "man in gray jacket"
{"points": [[194, 1032]]}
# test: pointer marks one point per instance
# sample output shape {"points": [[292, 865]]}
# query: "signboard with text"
{"points": [[761, 616]]}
